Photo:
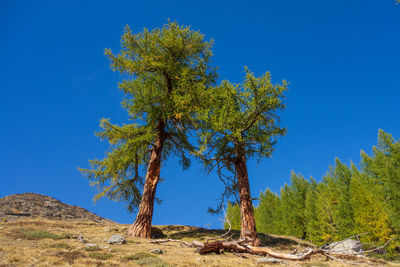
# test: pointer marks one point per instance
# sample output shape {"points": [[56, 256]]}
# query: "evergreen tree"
{"points": [[346, 202], [166, 73], [384, 166], [370, 209], [327, 200], [313, 232], [241, 123], [293, 206], [267, 213], [334, 208], [233, 215], [344, 213]]}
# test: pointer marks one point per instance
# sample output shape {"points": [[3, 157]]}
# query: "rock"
{"points": [[347, 246], [117, 239], [267, 260], [156, 251]]}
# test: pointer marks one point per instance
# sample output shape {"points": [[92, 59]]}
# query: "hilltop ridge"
{"points": [[36, 205]]}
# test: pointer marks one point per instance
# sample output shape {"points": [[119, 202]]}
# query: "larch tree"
{"points": [[232, 217], [165, 74], [344, 218], [293, 206], [311, 212], [327, 201], [370, 208], [384, 166], [240, 123], [335, 212], [268, 217]]}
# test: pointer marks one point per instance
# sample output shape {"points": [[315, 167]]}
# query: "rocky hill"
{"points": [[17, 206]]}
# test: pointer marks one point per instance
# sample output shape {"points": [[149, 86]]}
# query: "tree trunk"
{"points": [[248, 223], [142, 225]]}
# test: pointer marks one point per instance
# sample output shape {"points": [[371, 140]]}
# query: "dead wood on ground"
{"points": [[242, 246]]}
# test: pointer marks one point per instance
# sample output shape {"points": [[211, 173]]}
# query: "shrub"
{"points": [[146, 259], [100, 256], [39, 234], [60, 245], [92, 248]]}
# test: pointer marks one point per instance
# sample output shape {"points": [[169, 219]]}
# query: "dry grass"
{"points": [[39, 242]]}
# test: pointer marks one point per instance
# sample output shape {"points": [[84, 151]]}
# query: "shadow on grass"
{"points": [[202, 234]]}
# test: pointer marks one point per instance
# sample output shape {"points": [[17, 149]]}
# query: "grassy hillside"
{"points": [[42, 242]]}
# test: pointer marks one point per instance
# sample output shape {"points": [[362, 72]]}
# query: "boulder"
{"points": [[92, 246], [268, 260], [156, 251], [117, 239], [347, 246]]}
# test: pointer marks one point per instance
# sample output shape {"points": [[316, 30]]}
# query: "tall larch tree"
{"points": [[165, 74], [242, 122], [268, 218], [384, 166], [344, 218], [311, 213], [293, 206], [327, 201], [370, 208]]}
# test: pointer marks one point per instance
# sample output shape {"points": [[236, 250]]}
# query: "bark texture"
{"points": [[248, 223], [142, 225]]}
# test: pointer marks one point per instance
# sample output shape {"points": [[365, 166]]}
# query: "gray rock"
{"points": [[347, 246], [268, 260], [156, 251], [117, 239]]}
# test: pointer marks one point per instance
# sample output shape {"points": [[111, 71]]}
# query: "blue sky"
{"points": [[342, 59]]}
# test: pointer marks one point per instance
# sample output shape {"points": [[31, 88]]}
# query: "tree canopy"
{"points": [[244, 114], [165, 75]]}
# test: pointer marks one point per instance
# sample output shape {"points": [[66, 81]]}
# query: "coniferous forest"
{"points": [[349, 200]]}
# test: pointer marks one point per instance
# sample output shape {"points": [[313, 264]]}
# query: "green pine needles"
{"points": [[166, 71], [240, 119]]}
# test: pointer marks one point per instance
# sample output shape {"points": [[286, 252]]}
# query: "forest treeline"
{"points": [[348, 200]]}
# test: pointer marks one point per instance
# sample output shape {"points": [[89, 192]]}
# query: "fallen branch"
{"points": [[242, 246], [378, 248]]}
